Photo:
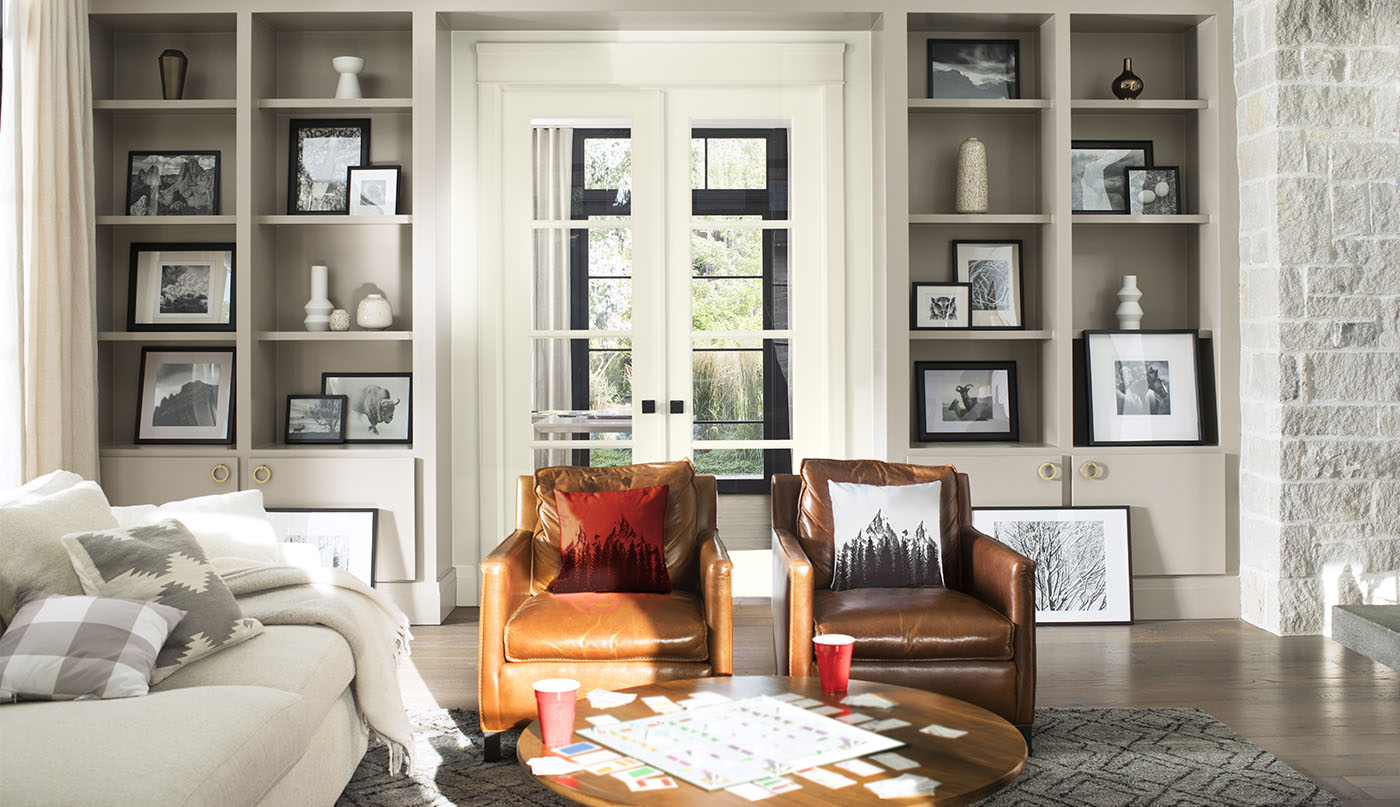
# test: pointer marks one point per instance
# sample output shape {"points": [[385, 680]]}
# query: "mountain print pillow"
{"points": [[612, 541], [886, 536]]}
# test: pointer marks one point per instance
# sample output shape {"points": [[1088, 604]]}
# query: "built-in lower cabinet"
{"points": [[1014, 481], [157, 480]]}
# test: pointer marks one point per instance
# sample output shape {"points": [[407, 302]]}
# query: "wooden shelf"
{"points": [[1024, 105], [1149, 105], [1118, 218], [163, 221], [981, 218], [210, 337], [202, 106], [335, 336], [332, 106], [334, 220], [977, 334]]}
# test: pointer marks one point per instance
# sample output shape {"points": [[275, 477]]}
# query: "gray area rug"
{"points": [[1091, 757]]}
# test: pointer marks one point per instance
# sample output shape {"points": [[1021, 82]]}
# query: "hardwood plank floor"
{"points": [[1332, 714]]}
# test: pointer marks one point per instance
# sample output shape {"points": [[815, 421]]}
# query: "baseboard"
{"points": [[1203, 597], [468, 585]]}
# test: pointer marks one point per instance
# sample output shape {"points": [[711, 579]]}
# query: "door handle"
{"points": [[1091, 470], [648, 407], [677, 407], [1048, 471]]}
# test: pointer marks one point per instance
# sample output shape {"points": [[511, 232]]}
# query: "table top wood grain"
{"points": [[971, 767]]}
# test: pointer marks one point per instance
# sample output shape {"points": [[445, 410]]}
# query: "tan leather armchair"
{"points": [[974, 640], [607, 640]]}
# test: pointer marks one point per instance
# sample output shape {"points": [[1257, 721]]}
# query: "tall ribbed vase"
{"points": [[972, 177], [1129, 312], [318, 308]]}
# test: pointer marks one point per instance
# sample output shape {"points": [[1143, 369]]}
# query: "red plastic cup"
{"points": [[555, 698], [834, 660]]}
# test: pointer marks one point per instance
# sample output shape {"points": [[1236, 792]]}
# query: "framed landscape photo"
{"points": [[1154, 191], [374, 190], [1083, 560], [172, 183], [1143, 387], [186, 395], [180, 287], [316, 418], [936, 306], [992, 270], [1099, 173], [320, 155], [966, 400], [345, 539], [974, 68], [380, 408]]}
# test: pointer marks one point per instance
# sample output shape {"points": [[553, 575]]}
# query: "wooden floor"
{"points": [[1332, 714]]}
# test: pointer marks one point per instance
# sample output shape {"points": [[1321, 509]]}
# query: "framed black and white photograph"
{"points": [[966, 400], [172, 183], [374, 190], [1154, 191], [186, 395], [343, 539], [974, 68], [180, 287], [316, 418], [938, 306], [1099, 173], [1143, 387], [992, 270], [380, 405], [1083, 561], [321, 153]]}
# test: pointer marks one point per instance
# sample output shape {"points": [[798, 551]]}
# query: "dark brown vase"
{"points": [[1127, 86], [172, 74]]}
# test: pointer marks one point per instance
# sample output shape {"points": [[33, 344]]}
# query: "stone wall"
{"points": [[1318, 85]]}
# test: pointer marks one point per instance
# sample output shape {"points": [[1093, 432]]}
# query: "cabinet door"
{"points": [[1177, 520], [157, 480], [314, 482], [1014, 481]]}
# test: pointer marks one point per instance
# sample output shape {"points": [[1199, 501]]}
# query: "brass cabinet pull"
{"points": [[1091, 470], [1048, 471], [220, 473], [262, 474]]}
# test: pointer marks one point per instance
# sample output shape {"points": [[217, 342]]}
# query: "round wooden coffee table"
{"points": [[971, 767]]}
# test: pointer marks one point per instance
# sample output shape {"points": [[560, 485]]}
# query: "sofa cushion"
{"points": [[608, 627], [815, 524], [914, 624], [163, 563], [233, 528], [886, 536], [31, 532], [612, 541], [41, 486]]}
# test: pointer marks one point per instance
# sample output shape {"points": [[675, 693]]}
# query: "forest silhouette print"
{"points": [[612, 541], [880, 557]]}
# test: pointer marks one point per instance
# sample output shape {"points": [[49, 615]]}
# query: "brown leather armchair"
{"points": [[607, 640], [974, 640]]}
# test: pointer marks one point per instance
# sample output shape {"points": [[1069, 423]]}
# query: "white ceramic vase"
{"points": [[374, 313], [972, 177], [318, 308], [1129, 312], [349, 68]]}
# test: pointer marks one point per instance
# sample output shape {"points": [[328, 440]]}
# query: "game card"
{"points": [[661, 704], [552, 766], [903, 787], [777, 784], [853, 718], [942, 731], [860, 767], [608, 720], [825, 778], [576, 749], [894, 761], [613, 766], [749, 791], [826, 711], [638, 773], [651, 783], [868, 700], [786, 696], [595, 757], [886, 724], [807, 703]]}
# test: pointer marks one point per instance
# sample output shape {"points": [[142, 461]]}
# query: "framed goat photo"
{"points": [[180, 287], [966, 400], [1143, 387], [343, 539], [186, 395], [1083, 563], [380, 408], [938, 306]]}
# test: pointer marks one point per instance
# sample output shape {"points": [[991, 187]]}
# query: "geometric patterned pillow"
{"points": [[164, 563], [79, 648]]}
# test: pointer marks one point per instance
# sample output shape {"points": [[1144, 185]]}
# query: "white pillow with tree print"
{"points": [[886, 536]]}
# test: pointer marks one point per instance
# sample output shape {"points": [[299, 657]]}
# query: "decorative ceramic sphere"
{"points": [[340, 320], [374, 313]]}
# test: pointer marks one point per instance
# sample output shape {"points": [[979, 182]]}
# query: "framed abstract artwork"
{"points": [[992, 270]]}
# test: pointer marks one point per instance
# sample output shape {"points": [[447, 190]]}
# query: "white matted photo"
{"points": [[992, 271], [939, 305], [316, 418], [380, 405], [374, 190], [1144, 387], [966, 400], [342, 539], [186, 395], [1083, 565], [180, 287]]}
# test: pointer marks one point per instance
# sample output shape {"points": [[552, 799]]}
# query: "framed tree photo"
{"points": [[966, 400], [1154, 191], [1143, 387], [938, 306], [380, 405], [316, 418], [186, 395], [172, 183], [974, 68], [180, 287], [992, 270], [320, 155], [1083, 560], [1098, 173], [344, 539]]}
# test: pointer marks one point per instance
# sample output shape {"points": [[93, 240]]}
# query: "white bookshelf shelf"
{"points": [[333, 106], [335, 336], [336, 220], [1120, 219], [205, 337], [1026, 105], [164, 221], [202, 106], [1140, 105], [981, 218], [978, 334]]}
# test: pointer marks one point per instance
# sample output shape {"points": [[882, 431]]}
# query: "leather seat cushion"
{"points": [[914, 623], [608, 627]]}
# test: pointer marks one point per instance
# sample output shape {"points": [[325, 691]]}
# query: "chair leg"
{"points": [[492, 750], [1026, 732]]}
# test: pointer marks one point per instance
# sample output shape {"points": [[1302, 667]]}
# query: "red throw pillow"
{"points": [[611, 541]]}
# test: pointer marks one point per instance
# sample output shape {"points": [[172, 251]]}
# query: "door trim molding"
{"points": [[652, 64]]}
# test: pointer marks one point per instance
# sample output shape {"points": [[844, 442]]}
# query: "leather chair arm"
{"points": [[505, 585], [716, 588], [792, 604], [999, 576]]}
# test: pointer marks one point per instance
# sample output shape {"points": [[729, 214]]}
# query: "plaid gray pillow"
{"points": [[79, 648]]}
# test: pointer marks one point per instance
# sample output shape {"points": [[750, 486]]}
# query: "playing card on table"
{"points": [[651, 783], [577, 748], [749, 791], [885, 725], [869, 700], [637, 773], [552, 766], [853, 718], [942, 731], [613, 766], [603, 699], [903, 787], [826, 710], [807, 703], [606, 720], [894, 761], [825, 778], [777, 784], [661, 704], [786, 696], [860, 767], [598, 757]]}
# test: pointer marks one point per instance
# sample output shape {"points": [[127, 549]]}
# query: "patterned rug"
{"points": [[1091, 757]]}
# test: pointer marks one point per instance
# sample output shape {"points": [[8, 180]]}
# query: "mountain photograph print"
{"points": [[974, 68], [886, 536], [612, 541]]}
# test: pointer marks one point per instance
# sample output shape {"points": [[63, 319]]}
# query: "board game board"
{"points": [[731, 743]]}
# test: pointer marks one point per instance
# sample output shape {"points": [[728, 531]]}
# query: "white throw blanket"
{"points": [[376, 630]]}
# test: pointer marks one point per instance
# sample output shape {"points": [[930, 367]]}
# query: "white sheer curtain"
{"points": [[48, 378], [553, 179]]}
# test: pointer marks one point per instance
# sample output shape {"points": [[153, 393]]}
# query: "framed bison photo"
{"points": [[380, 408]]}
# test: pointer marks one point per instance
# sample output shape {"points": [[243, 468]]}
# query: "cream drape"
{"points": [[553, 157], [48, 391]]}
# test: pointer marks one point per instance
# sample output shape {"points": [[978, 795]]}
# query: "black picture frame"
{"points": [[920, 291], [336, 171], [963, 272], [939, 372], [141, 294], [1114, 176], [353, 385], [949, 60], [1168, 205], [148, 431], [362, 550], [295, 432], [186, 201], [391, 204], [1126, 407]]}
